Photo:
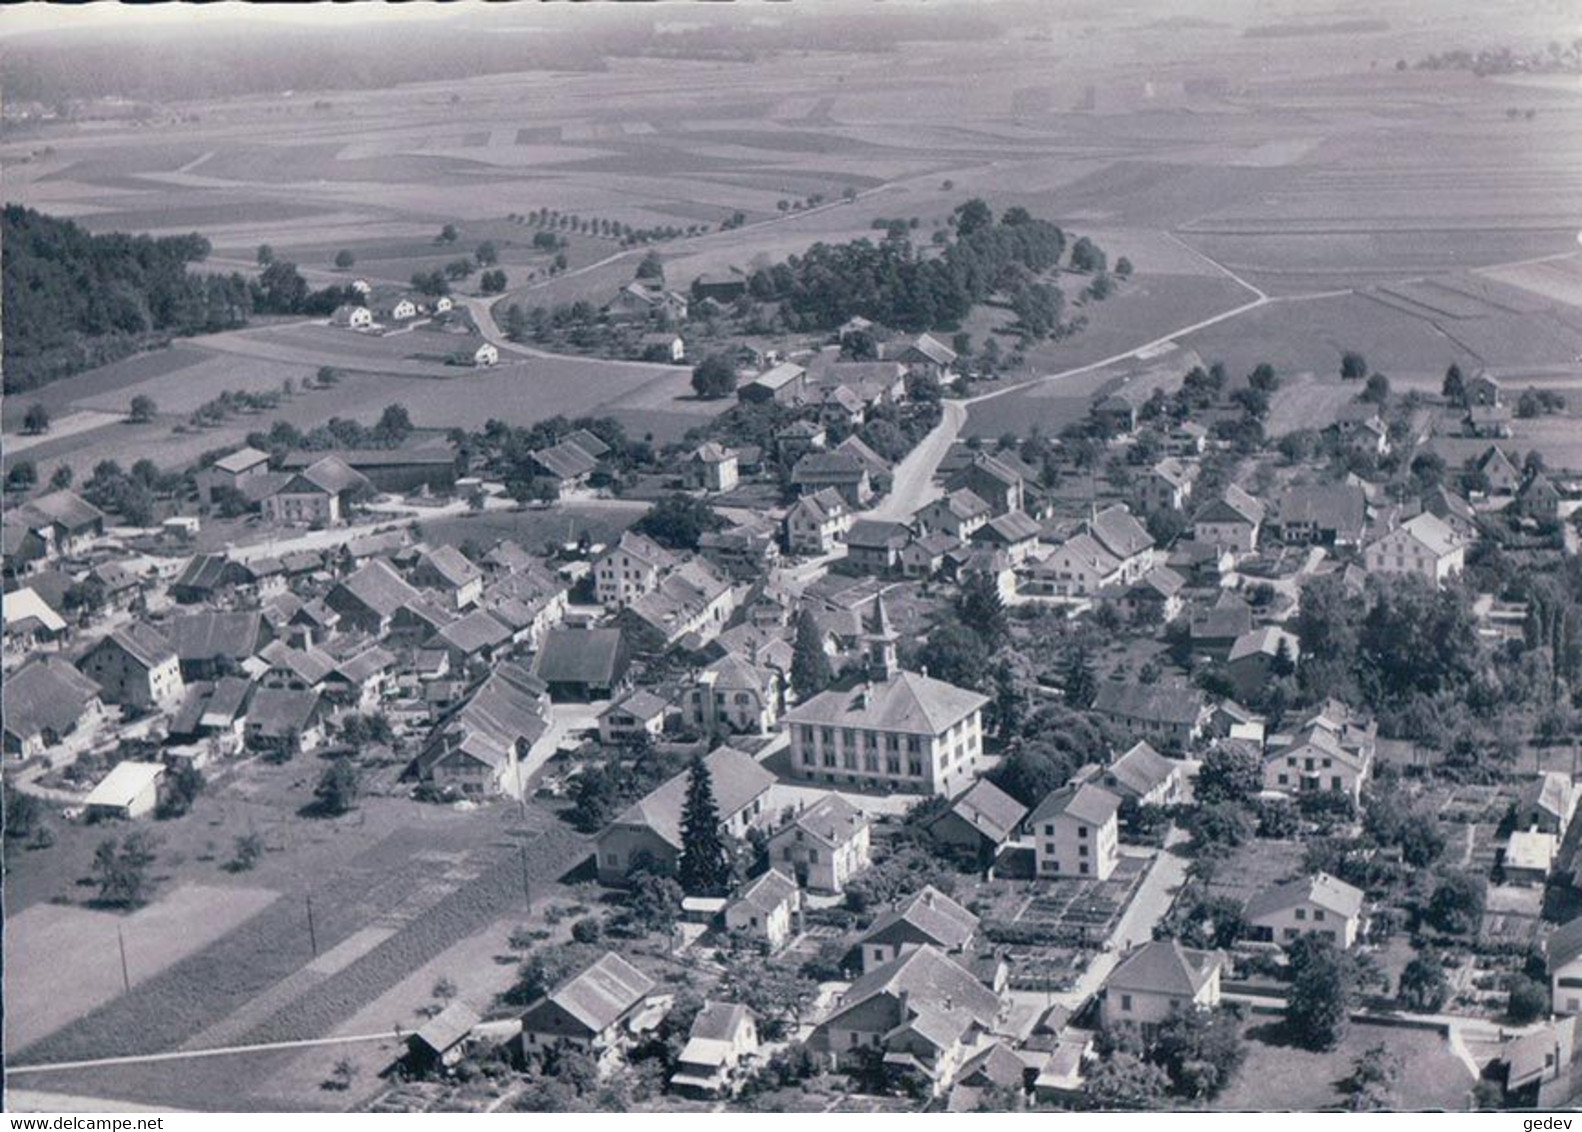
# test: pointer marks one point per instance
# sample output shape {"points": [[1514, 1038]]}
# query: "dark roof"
{"points": [[935, 915], [1165, 967], [737, 779], [600, 995], [144, 643], [579, 656], [281, 711], [1083, 801], [208, 635], [1165, 702], [907, 702], [45, 696], [989, 810]]}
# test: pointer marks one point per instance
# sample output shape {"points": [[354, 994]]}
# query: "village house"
{"points": [[1529, 857], [817, 522], [927, 918], [31, 622], [652, 826], [1232, 521], [1160, 979], [800, 437], [638, 302], [1424, 545], [376, 600], [1169, 714], [1258, 656], [1143, 775], [636, 716], [1077, 568], [691, 603], [1319, 905], [746, 551], [823, 846], [476, 745], [632, 568], [452, 573], [663, 346], [1546, 804], [588, 1012], [874, 546], [924, 356], [442, 1041], [925, 1013], [1358, 426], [991, 480], [1153, 599], [895, 730], [712, 467], [842, 471], [1117, 412], [722, 1039], [137, 668], [1075, 832], [925, 555], [1489, 422], [767, 908], [1502, 478], [978, 822], [1317, 757], [1214, 631], [1014, 534], [1167, 486], [733, 696], [352, 316], [214, 713], [566, 464], [958, 514]]}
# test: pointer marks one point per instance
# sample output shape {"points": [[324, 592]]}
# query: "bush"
{"points": [[1529, 999], [589, 929]]}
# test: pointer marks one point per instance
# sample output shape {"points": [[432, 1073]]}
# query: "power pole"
{"points": [[313, 938], [527, 890], [126, 979]]}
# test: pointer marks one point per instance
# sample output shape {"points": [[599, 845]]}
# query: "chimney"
{"points": [[928, 898]]}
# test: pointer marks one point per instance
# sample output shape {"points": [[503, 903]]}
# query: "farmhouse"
{"points": [[1331, 514], [452, 573], [351, 316], [692, 601], [430, 465], [1167, 486], [317, 495], [1232, 521], [1319, 905], [441, 1042], [1425, 545], [785, 384], [632, 568], [958, 514], [587, 1011], [232, 471], [1170, 713], [580, 665], [652, 826], [874, 546], [136, 667], [44, 702], [637, 715], [842, 471], [1259, 655], [991, 480]]}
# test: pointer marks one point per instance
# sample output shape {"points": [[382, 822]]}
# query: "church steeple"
{"points": [[881, 640]]}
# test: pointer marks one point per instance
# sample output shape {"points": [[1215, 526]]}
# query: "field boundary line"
{"points": [[216, 1051]]}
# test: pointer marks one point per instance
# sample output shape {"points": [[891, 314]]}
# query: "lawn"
{"points": [[1284, 1078]]}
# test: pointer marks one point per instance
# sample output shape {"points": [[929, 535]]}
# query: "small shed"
{"points": [[443, 1040], [131, 790]]}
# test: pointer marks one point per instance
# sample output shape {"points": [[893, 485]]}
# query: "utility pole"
{"points": [[126, 979], [313, 938], [527, 890]]}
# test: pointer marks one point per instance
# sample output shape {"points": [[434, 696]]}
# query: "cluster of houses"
{"points": [[400, 312]]}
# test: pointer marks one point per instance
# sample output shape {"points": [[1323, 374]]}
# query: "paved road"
{"points": [[912, 483]]}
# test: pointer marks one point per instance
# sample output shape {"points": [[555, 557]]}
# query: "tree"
{"points": [[704, 867], [1374, 1079], [1124, 1082], [1123, 268], [1457, 903], [1423, 986], [61, 479], [36, 420], [955, 654], [1529, 999], [143, 409], [1454, 389], [1032, 771], [494, 283], [1201, 1050], [810, 667], [651, 268], [245, 852], [1229, 775], [181, 789], [121, 870], [344, 259], [447, 234], [338, 786], [394, 425], [486, 254], [1377, 389], [23, 813], [1080, 684], [1038, 307], [22, 476], [1353, 366], [343, 1074], [714, 377], [1086, 256], [1318, 1006], [972, 216], [679, 521], [265, 256]]}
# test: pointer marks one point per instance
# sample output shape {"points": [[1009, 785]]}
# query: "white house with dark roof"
{"points": [[958, 513], [1160, 979], [449, 571], [135, 667], [1167, 486], [1424, 545], [1076, 832], [1169, 714], [1319, 905], [1144, 775], [632, 568], [824, 845], [1232, 521], [817, 522], [733, 695], [724, 1035], [1317, 757], [767, 908], [638, 714], [712, 467]]}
